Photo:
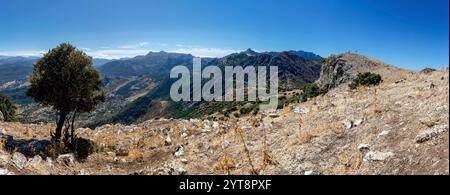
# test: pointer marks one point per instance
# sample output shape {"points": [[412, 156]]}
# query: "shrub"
{"points": [[83, 148], [245, 110], [7, 108], [366, 79], [311, 91]]}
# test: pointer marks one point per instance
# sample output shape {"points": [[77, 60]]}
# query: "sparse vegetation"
{"points": [[7, 108], [366, 79]]}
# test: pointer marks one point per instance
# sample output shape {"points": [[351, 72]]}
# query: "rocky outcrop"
{"points": [[343, 68]]}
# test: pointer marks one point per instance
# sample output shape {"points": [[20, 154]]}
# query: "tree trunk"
{"points": [[72, 133], [59, 126]]}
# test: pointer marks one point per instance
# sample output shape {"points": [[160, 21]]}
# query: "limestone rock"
{"points": [[377, 156], [430, 133], [19, 160]]}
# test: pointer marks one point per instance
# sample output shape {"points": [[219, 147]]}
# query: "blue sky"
{"points": [[407, 33]]}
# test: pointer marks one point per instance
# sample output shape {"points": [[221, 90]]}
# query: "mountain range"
{"points": [[139, 87]]}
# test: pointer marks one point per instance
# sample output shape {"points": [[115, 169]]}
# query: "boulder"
{"points": [[19, 160], [2, 118]]}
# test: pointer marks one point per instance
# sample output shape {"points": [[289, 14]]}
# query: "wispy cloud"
{"points": [[134, 46], [206, 52], [117, 53], [27, 53]]}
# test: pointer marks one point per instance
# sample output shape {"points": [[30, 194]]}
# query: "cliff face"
{"points": [[398, 127]]}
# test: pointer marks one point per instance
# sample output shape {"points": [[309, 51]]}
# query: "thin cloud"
{"points": [[206, 52], [28, 53], [117, 53], [134, 46]]}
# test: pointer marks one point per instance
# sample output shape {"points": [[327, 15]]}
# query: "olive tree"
{"points": [[66, 80]]}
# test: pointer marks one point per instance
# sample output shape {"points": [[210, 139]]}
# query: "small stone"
{"points": [[363, 147], [67, 159], [359, 122], [182, 171], [215, 125], [441, 108], [83, 172], [274, 115], [226, 144], [179, 152], [348, 124], [384, 133], [424, 120], [300, 109], [184, 134], [122, 151], [310, 172], [377, 156], [184, 161], [168, 141]]}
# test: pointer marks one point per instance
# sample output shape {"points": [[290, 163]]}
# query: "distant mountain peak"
{"points": [[250, 52]]}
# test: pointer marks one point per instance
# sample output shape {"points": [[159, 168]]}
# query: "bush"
{"points": [[366, 79], [83, 148], [7, 108], [311, 91], [245, 110]]}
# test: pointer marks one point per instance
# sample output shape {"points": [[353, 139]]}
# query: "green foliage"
{"points": [[7, 108], [311, 91], [66, 80], [246, 110], [365, 79], [83, 148]]}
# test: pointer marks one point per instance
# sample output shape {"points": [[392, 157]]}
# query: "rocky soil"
{"points": [[398, 127]]}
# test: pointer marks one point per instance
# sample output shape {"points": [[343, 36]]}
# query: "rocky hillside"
{"points": [[398, 127]]}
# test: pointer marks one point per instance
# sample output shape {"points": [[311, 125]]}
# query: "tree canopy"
{"points": [[66, 80]]}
